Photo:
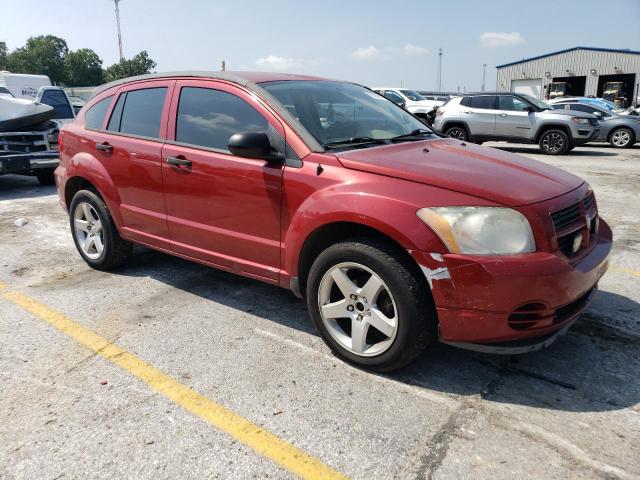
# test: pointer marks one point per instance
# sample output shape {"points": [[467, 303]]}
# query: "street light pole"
{"points": [[484, 74], [440, 53], [118, 24]]}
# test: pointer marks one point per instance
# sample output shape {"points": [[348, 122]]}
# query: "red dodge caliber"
{"points": [[395, 236]]}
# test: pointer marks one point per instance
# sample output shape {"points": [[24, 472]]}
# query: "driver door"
{"points": [[221, 209]]}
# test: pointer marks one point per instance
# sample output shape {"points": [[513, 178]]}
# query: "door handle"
{"points": [[104, 147], [503, 114], [179, 161]]}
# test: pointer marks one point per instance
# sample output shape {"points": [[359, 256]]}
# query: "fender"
{"points": [[88, 167], [447, 123], [340, 203], [551, 124]]}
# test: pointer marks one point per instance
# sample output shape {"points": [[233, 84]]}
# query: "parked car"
{"points": [[395, 235], [515, 118], [411, 100], [598, 102], [621, 131]]}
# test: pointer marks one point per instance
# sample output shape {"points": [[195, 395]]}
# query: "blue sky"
{"points": [[374, 43]]}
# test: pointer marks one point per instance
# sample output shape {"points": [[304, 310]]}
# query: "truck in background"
{"points": [[23, 85]]}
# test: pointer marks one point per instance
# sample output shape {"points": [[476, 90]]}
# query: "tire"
{"points": [[46, 177], [621, 138], [403, 298], [115, 251], [554, 142], [457, 132]]}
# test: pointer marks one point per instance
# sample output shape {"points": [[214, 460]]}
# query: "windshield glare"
{"points": [[335, 112], [413, 96]]}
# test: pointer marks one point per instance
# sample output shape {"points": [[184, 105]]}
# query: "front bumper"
{"points": [[27, 162], [484, 299]]}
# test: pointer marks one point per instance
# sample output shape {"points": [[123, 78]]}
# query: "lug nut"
{"points": [[350, 308], [360, 317], [353, 297]]}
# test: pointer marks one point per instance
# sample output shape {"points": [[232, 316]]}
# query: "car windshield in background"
{"points": [[413, 96], [336, 112], [538, 103]]}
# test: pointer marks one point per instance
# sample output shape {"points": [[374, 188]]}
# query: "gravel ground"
{"points": [[571, 411]]}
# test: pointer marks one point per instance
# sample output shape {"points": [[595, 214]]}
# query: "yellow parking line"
{"points": [[635, 273], [243, 430]]}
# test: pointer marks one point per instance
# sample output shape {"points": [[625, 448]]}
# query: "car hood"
{"points": [[484, 172]]}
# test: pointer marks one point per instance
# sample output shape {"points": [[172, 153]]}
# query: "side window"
{"points": [[466, 102], [393, 96], [483, 101], [116, 115], [94, 117], [506, 102], [58, 100], [208, 117], [582, 108], [142, 112]]}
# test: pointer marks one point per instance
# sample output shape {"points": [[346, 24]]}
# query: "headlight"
{"points": [[580, 120], [480, 230]]}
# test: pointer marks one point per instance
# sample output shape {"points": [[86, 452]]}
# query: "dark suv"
{"points": [[515, 118]]}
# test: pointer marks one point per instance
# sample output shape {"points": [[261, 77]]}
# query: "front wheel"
{"points": [[459, 133], [370, 305], [621, 138], [554, 142]]}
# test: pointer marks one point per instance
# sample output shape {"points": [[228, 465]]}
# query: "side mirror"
{"points": [[253, 145], [530, 109], [403, 105], [598, 114]]}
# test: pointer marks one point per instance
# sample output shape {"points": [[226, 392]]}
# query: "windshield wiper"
{"points": [[414, 133], [356, 141]]}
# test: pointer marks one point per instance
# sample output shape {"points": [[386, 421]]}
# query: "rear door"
{"points": [[480, 115], [222, 209], [514, 118], [130, 149]]}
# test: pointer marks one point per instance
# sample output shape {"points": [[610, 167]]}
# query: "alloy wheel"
{"points": [[88, 230], [457, 133], [553, 142], [358, 309], [621, 138]]}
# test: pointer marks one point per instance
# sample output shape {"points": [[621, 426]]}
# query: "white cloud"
{"points": [[274, 62], [411, 50], [366, 53], [500, 39]]}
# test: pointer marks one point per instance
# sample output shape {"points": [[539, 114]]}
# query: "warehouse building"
{"points": [[578, 71]]}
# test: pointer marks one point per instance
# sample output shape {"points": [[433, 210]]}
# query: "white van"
{"points": [[23, 85]]}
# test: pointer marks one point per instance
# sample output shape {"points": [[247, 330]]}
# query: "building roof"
{"points": [[593, 49]]}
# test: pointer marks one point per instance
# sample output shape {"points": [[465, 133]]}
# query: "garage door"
{"points": [[531, 87]]}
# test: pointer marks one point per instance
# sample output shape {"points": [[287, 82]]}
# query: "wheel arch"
{"points": [[553, 126]]}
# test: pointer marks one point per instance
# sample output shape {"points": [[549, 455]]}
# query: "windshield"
{"points": [[413, 96], [538, 103], [335, 112]]}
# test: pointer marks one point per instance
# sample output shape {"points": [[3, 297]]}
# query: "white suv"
{"points": [[410, 100]]}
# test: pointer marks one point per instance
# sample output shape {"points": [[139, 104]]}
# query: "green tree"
{"points": [[3, 56], [83, 68], [43, 55], [138, 65]]}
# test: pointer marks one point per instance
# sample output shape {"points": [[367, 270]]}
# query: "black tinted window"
{"points": [[208, 117], [466, 102], [484, 101], [582, 108], [116, 115], [95, 115], [58, 100], [506, 102], [393, 96], [142, 112]]}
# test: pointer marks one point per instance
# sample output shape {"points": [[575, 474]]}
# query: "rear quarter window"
{"points": [[94, 117]]}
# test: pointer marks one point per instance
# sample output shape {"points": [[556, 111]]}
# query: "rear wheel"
{"points": [[621, 138], [95, 234], [457, 132], [554, 142], [370, 305], [46, 177]]}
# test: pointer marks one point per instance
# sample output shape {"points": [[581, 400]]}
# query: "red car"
{"points": [[395, 236]]}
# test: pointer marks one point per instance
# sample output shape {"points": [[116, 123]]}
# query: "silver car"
{"points": [[621, 131], [515, 118]]}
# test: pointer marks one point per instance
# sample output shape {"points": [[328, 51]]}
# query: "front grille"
{"points": [[568, 221], [22, 142]]}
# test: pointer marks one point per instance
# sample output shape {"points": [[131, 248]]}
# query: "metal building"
{"points": [[577, 71]]}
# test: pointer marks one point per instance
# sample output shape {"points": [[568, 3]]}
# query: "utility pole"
{"points": [[484, 74], [119, 33], [440, 53], [223, 66]]}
